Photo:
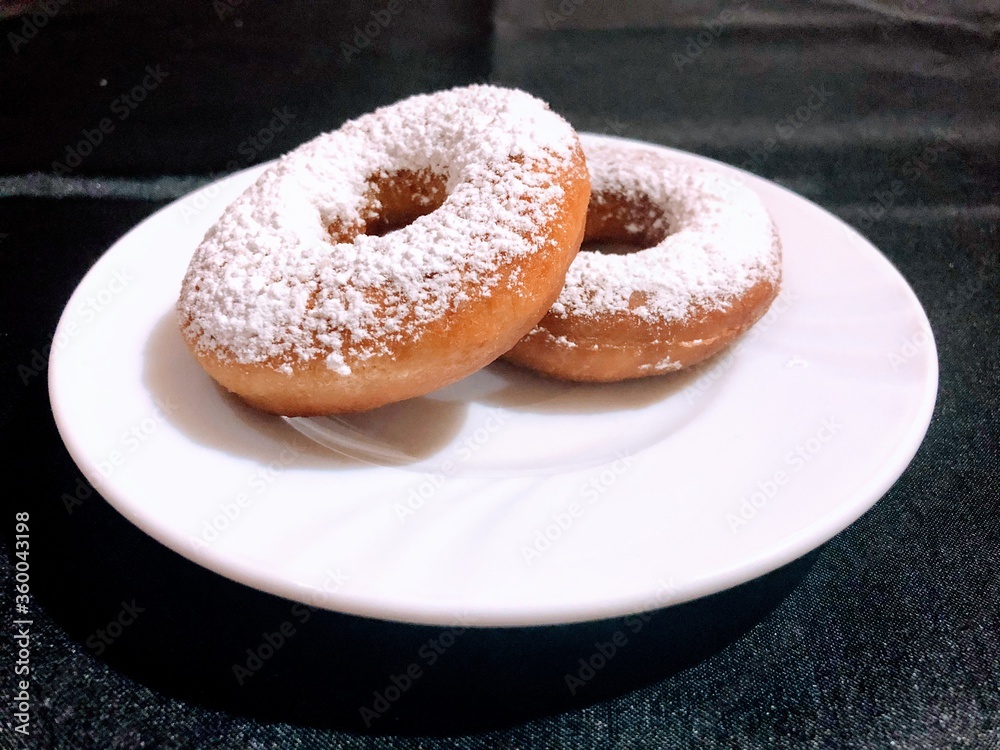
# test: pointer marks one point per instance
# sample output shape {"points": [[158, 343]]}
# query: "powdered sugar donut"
{"points": [[397, 254], [710, 269]]}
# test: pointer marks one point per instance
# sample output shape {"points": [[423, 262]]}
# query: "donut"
{"points": [[388, 258], [690, 260]]}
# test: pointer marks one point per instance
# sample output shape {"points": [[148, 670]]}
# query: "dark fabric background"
{"points": [[888, 636]]}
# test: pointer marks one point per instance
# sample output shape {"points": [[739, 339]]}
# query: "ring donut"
{"points": [[709, 268], [388, 258]]}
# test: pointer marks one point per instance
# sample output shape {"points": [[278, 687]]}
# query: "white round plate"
{"points": [[506, 499]]}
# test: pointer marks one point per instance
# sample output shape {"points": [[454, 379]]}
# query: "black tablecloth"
{"points": [[885, 637]]}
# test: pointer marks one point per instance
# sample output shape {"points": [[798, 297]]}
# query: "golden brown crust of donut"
{"points": [[613, 347], [682, 343], [480, 330]]}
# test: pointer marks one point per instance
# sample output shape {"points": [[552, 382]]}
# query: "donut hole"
{"points": [[610, 247], [400, 198], [383, 225], [619, 225], [393, 201]]}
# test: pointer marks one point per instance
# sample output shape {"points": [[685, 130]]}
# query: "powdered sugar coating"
{"points": [[719, 243], [267, 283]]}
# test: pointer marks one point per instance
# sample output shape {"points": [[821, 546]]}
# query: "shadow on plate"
{"points": [[206, 640], [210, 416], [397, 434], [511, 387]]}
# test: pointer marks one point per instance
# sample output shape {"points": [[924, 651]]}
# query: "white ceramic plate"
{"points": [[506, 499]]}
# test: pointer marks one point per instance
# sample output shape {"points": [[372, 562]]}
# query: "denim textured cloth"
{"points": [[887, 636]]}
